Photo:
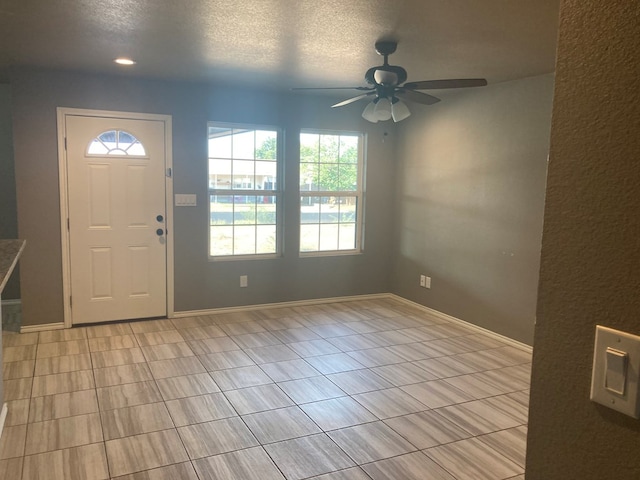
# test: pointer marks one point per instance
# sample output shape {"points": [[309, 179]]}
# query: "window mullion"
{"points": [[238, 157]]}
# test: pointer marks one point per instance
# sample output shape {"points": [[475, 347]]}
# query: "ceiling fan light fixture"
{"points": [[369, 113], [399, 111], [124, 61], [382, 109], [385, 77]]}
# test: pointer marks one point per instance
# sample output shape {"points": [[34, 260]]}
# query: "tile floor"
{"points": [[358, 390]]}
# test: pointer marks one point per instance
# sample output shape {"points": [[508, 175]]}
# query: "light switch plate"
{"points": [[627, 402], [185, 200]]}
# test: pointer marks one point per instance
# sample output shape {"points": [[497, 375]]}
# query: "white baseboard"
{"points": [[449, 318], [318, 301], [3, 417], [295, 303], [41, 328]]}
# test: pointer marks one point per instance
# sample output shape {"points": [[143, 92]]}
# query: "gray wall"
{"points": [[470, 199], [199, 284], [8, 215], [591, 249]]}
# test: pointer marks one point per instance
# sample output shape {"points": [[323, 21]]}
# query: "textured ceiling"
{"points": [[281, 43]]}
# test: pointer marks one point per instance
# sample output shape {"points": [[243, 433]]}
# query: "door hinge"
{"points": [[65, 143], [68, 225], [70, 301], [168, 173]]}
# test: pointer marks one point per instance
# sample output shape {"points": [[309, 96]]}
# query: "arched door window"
{"points": [[116, 142]]}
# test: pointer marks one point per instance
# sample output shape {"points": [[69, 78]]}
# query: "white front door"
{"points": [[117, 219]]}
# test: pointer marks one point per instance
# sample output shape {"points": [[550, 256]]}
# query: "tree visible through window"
{"points": [[244, 191], [330, 191]]}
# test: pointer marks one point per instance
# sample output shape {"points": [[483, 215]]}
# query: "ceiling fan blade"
{"points": [[417, 97], [365, 89], [351, 100], [450, 83]]}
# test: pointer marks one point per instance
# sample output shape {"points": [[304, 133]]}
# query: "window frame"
{"points": [[359, 193], [278, 193], [108, 153]]}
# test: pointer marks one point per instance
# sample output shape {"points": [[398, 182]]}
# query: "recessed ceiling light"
{"points": [[124, 61]]}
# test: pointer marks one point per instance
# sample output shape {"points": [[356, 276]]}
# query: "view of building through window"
{"points": [[244, 191], [330, 191]]}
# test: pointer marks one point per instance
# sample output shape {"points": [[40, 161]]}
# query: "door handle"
{"points": [[160, 218], [160, 232]]}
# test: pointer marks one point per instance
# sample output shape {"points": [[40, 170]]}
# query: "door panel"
{"points": [[117, 259]]}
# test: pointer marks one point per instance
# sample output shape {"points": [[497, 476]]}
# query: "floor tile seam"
{"points": [[132, 334], [64, 448], [508, 460], [444, 379], [299, 406], [313, 401], [256, 437], [361, 465], [24, 446], [240, 415], [337, 471], [427, 409], [25, 457], [271, 363], [278, 466], [442, 416], [102, 412], [341, 449], [145, 470], [29, 422], [479, 437], [182, 442], [502, 345], [164, 402], [438, 463], [421, 449], [93, 369], [261, 446], [466, 402], [488, 396]]}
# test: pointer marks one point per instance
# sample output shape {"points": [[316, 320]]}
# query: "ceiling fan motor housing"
{"points": [[386, 75]]}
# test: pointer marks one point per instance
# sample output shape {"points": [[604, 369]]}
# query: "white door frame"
{"points": [[62, 112]]}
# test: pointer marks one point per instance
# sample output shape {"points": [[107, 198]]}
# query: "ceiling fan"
{"points": [[388, 90]]}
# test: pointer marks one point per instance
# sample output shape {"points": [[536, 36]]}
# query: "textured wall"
{"points": [[590, 265], [470, 200], [199, 283], [8, 216]]}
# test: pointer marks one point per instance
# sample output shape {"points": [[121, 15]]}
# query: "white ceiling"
{"points": [[282, 43]]}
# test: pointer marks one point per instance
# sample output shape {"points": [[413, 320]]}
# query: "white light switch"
{"points": [[616, 367], [185, 200], [615, 377]]}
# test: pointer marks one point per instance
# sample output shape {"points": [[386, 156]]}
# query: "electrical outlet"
{"points": [[423, 280], [427, 282], [244, 280]]}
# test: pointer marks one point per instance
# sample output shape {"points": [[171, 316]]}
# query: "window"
{"points": [[331, 167], [116, 142], [244, 191]]}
